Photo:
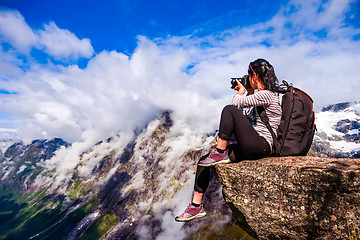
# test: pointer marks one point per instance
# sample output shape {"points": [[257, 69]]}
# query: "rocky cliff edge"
{"points": [[294, 197]]}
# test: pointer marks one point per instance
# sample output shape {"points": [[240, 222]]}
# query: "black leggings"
{"points": [[249, 144]]}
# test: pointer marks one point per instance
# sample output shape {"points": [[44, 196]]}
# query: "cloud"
{"points": [[312, 20], [14, 30], [189, 75], [116, 94], [309, 43], [59, 44], [62, 44], [9, 66]]}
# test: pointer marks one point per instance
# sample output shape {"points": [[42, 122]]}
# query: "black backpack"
{"points": [[297, 126]]}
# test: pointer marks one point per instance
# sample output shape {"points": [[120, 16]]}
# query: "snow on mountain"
{"points": [[5, 144], [134, 187], [135, 184], [338, 130]]}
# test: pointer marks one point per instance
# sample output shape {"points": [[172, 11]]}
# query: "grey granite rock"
{"points": [[294, 197]]}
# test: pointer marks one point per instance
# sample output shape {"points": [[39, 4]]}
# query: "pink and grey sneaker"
{"points": [[214, 158], [191, 213]]}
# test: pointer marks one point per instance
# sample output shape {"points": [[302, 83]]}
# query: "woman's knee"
{"points": [[229, 108], [233, 111]]}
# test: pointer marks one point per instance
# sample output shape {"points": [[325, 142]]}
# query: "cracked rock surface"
{"points": [[294, 197]]}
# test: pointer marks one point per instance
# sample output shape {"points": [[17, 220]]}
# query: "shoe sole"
{"points": [[214, 163], [199, 215]]}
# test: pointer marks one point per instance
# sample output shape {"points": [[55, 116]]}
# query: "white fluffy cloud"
{"points": [[57, 43], [189, 75], [61, 43], [14, 30]]}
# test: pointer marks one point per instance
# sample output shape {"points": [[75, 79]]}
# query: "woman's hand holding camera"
{"points": [[241, 89]]}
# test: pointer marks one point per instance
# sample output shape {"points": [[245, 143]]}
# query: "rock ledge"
{"points": [[294, 197]]}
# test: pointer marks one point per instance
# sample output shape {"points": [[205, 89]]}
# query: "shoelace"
{"points": [[188, 209], [214, 152]]}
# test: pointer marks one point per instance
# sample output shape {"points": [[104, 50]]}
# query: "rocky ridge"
{"points": [[338, 131], [134, 189], [130, 192], [294, 197]]}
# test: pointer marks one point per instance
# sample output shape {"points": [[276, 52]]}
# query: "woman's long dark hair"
{"points": [[266, 73]]}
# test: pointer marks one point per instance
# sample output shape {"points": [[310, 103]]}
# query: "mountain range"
{"points": [[124, 188], [338, 131]]}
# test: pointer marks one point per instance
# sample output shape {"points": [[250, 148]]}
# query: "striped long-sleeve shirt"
{"points": [[271, 103]]}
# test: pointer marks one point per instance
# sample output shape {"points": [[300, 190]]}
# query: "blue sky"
{"points": [[85, 70], [115, 24]]}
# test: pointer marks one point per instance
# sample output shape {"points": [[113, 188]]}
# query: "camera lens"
{"points": [[244, 81], [233, 83]]}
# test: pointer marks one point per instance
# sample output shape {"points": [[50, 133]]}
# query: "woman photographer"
{"points": [[253, 140]]}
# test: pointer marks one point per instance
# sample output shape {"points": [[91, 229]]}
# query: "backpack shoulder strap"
{"points": [[264, 117]]}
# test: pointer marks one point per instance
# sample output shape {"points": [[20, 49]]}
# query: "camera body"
{"points": [[244, 81]]}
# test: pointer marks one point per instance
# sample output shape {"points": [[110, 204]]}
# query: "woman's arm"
{"points": [[240, 93], [260, 98]]}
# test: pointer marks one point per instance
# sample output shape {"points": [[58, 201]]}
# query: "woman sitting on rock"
{"points": [[254, 140]]}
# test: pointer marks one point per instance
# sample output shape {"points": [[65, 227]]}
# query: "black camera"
{"points": [[244, 81]]}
